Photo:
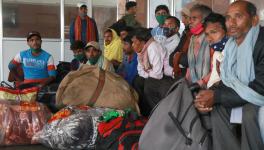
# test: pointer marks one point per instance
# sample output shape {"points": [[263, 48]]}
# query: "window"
{"points": [[23, 16], [70, 13], [153, 4], [105, 14], [142, 12], [260, 7]]}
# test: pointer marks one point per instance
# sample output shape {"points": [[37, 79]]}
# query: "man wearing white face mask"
{"points": [[83, 27]]}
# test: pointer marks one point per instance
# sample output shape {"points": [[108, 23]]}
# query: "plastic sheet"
{"points": [[72, 128], [19, 121]]}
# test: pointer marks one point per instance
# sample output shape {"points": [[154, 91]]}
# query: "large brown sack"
{"points": [[78, 88]]}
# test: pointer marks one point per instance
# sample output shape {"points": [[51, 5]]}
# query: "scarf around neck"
{"points": [[237, 70], [219, 46], [114, 50], [90, 29], [199, 66], [143, 56]]}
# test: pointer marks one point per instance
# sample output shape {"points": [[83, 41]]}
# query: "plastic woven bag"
{"points": [[19, 121], [72, 128], [28, 95]]}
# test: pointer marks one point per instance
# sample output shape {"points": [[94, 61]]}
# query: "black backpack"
{"points": [[63, 68]]}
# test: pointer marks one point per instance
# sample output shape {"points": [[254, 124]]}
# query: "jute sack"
{"points": [[95, 87]]}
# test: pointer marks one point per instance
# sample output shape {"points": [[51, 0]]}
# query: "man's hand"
{"points": [[204, 100]]}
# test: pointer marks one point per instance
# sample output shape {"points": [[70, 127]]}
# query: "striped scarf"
{"points": [[90, 29]]}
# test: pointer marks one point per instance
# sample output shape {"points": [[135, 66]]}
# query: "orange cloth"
{"points": [[90, 30]]}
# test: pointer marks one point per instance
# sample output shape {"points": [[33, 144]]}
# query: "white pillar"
{"points": [[172, 7], [1, 42], [62, 36], [148, 13], [90, 8]]}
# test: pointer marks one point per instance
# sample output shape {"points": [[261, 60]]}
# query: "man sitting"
{"points": [[151, 57], [128, 68], [234, 103], [113, 47], [38, 65], [94, 57], [199, 56], [79, 57]]}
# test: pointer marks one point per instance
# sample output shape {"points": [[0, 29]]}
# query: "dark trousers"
{"points": [[138, 85], [151, 91], [227, 136]]}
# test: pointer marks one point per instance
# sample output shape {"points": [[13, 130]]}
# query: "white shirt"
{"points": [[170, 45], [215, 77], [156, 55]]}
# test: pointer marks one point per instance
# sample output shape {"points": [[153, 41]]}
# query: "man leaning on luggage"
{"points": [[234, 104], [37, 64]]}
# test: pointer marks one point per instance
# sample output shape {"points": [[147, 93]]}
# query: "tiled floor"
{"points": [[27, 147]]}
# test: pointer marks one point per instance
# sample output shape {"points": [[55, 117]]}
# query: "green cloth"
{"points": [[102, 64], [131, 21]]}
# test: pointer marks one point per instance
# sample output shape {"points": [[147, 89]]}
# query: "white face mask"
{"points": [[160, 38], [159, 35]]}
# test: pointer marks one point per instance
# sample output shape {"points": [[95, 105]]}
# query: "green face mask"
{"points": [[35, 50], [79, 57], [93, 60], [161, 19]]}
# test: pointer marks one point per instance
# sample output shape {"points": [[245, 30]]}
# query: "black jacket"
{"points": [[228, 97]]}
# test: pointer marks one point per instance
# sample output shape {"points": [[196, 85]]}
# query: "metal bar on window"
{"points": [[117, 10], [172, 8], [1, 41], [90, 8], [148, 13], [62, 34]]}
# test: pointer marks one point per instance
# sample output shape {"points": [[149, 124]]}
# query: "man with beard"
{"points": [[38, 65]]}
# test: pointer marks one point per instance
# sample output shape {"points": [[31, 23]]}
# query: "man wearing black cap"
{"points": [[38, 65], [83, 27]]}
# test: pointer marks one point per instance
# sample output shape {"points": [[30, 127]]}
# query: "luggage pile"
{"points": [[96, 88], [93, 108], [121, 133], [83, 127], [72, 128], [20, 115]]}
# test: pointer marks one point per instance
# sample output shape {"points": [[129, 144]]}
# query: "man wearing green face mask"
{"points": [[79, 57], [37, 64], [161, 13], [94, 56]]}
